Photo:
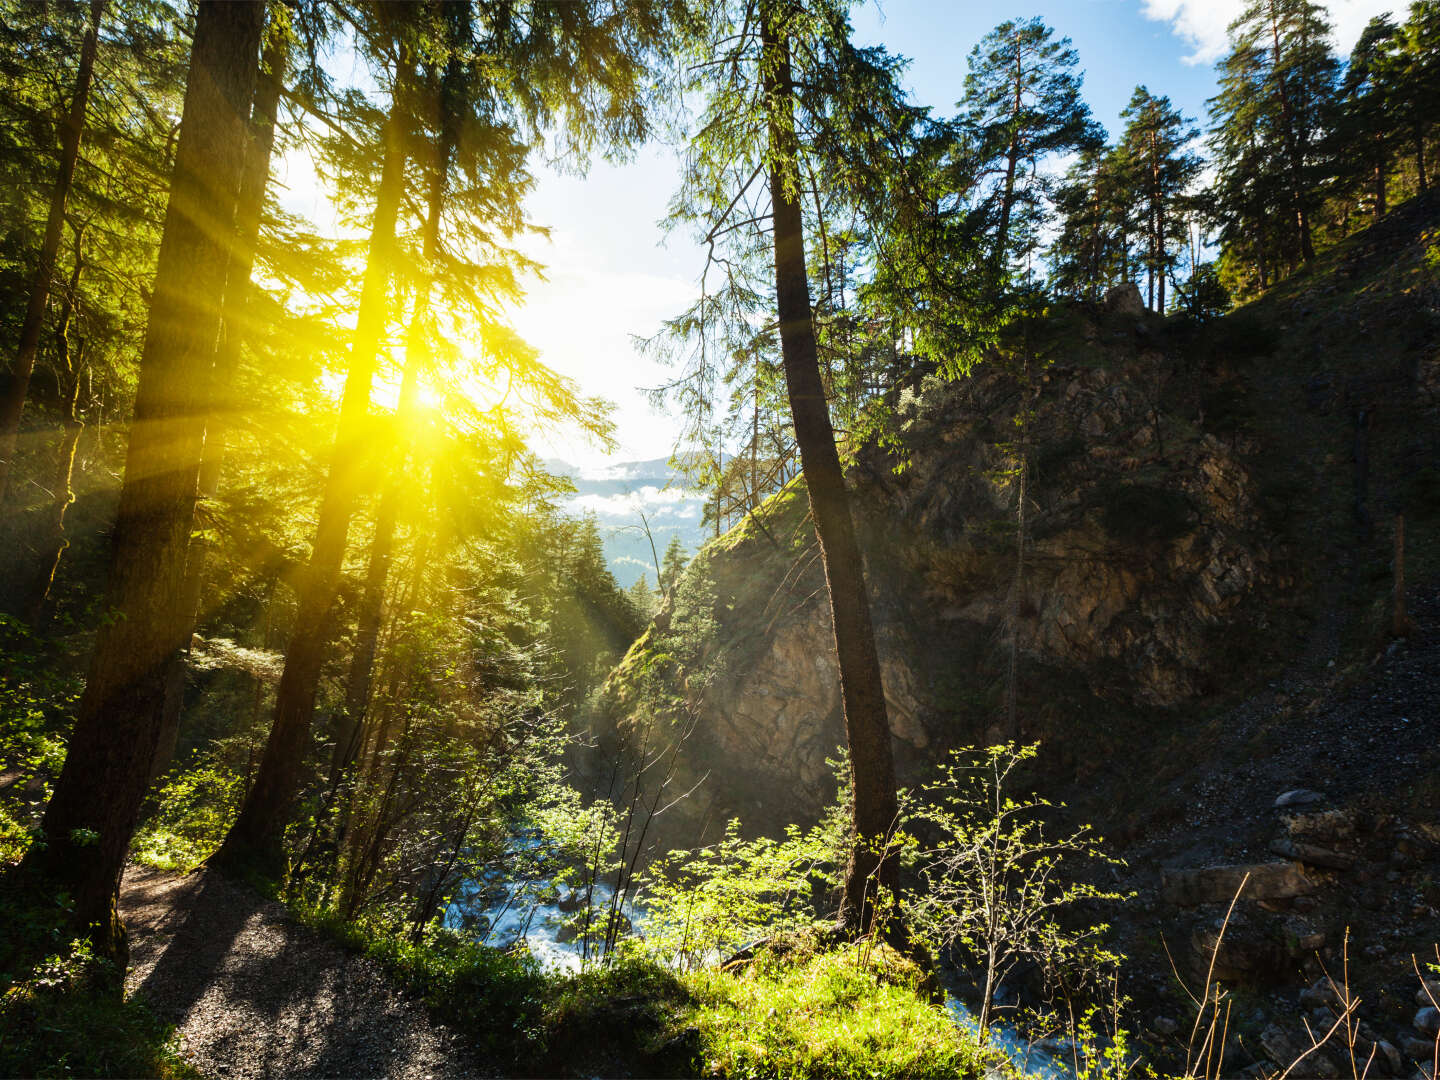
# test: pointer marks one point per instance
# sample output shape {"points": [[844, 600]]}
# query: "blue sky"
{"points": [[613, 274]]}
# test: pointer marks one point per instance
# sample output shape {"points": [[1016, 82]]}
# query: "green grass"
{"points": [[61, 1013], [847, 1013], [803, 1013]]}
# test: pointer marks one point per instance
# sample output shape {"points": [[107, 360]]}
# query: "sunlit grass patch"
{"points": [[855, 1012]]}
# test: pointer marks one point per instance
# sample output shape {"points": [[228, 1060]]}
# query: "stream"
{"points": [[513, 913]]}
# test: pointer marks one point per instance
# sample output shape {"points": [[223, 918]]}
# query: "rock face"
{"points": [[1147, 569], [1218, 884]]}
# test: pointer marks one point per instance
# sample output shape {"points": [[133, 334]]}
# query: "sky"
{"points": [[613, 273]]}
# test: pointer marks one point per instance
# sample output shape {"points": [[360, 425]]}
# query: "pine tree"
{"points": [[12, 403], [1276, 85], [1156, 143], [584, 61], [1412, 72], [92, 814], [794, 117], [1364, 133], [1022, 105], [642, 596], [672, 565]]}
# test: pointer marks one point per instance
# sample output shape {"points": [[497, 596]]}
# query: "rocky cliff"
{"points": [[1203, 506]]}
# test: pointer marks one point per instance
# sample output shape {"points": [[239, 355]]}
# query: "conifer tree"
{"points": [[1022, 105], [1412, 72], [672, 565], [12, 402], [92, 814], [794, 116], [1267, 125], [1162, 169], [1363, 131], [585, 63]]}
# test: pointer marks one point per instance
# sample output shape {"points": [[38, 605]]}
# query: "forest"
{"points": [[1056, 693]]}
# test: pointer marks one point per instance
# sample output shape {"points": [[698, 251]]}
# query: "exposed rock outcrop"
{"points": [[1148, 565]]}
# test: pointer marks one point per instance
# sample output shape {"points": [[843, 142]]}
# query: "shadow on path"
{"points": [[256, 995]]}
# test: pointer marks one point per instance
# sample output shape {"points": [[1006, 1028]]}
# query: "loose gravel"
{"points": [[254, 994]]}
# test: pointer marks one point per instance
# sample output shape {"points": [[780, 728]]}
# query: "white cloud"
{"points": [[1202, 23], [656, 502]]}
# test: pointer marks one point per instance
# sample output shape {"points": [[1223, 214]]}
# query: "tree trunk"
{"points": [[1420, 158], [92, 814], [13, 403], [62, 496], [867, 727], [254, 842], [248, 210], [377, 572], [1012, 156]]}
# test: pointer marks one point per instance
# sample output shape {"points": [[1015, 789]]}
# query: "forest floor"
{"points": [[255, 994]]}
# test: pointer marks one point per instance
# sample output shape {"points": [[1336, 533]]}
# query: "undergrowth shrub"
{"points": [[193, 812], [857, 1011], [61, 1013]]}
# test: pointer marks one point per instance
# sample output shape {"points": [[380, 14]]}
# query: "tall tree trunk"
{"points": [[92, 814], [1160, 251], [1017, 590], [377, 572], [61, 494], [1012, 160], [248, 210], [13, 403], [1420, 157], [862, 692], [254, 841]]}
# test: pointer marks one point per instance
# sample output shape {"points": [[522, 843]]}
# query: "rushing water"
{"points": [[532, 912], [529, 912]]}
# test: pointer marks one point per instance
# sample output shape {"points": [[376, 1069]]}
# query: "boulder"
{"points": [[1391, 1055], [1417, 1049], [1218, 884], [1124, 300], [1298, 797], [1313, 854], [1427, 1021]]}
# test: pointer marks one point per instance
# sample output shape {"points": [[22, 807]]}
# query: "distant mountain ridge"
{"points": [[618, 493]]}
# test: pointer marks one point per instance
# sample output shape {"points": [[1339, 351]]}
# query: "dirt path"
{"points": [[256, 995]]}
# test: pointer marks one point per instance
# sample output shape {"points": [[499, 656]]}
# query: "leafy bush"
{"points": [[994, 886], [856, 1012], [195, 809], [700, 906], [61, 1014]]}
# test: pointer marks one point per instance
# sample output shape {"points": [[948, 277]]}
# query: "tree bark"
{"points": [[867, 727], [254, 842], [1399, 621], [92, 815], [248, 210], [1012, 159], [12, 405], [62, 495]]}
